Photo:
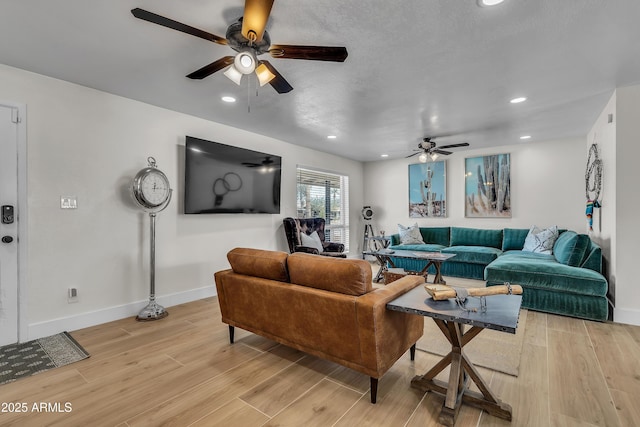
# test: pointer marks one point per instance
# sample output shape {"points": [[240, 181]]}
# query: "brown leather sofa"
{"points": [[323, 306]]}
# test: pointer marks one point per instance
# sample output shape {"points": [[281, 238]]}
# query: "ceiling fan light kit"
{"points": [[245, 62], [234, 75], [263, 74]]}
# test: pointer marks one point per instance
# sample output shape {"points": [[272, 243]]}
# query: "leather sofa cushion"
{"points": [[259, 263], [476, 237], [343, 275]]}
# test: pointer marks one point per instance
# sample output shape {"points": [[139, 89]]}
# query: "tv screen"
{"points": [[221, 178]]}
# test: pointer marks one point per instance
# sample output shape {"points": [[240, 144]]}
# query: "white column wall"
{"points": [[627, 178], [604, 231]]}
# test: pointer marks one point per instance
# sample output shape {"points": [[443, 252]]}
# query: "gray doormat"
{"points": [[25, 359]]}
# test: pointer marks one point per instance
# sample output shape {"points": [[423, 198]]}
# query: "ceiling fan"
{"points": [[248, 37], [427, 149]]}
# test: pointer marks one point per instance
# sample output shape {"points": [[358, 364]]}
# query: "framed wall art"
{"points": [[428, 190], [488, 186]]}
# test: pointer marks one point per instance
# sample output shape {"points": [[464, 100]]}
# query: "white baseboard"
{"points": [[84, 320], [629, 317]]}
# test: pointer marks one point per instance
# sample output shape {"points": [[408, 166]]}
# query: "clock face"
{"points": [[154, 188]]}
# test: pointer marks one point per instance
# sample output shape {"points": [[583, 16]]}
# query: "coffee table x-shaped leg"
{"points": [[456, 390]]}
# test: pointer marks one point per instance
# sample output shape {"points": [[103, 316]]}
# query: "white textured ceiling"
{"points": [[416, 68]]}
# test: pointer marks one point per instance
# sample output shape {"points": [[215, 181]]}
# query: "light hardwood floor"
{"points": [[182, 371]]}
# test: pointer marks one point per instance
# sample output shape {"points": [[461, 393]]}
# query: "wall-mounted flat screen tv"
{"points": [[220, 178]]}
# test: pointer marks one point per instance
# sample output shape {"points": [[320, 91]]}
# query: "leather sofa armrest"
{"points": [[222, 300], [385, 334]]}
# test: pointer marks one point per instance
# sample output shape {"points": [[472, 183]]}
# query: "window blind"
{"points": [[325, 195]]}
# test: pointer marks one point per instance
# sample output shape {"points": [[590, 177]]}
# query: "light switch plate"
{"points": [[68, 202]]}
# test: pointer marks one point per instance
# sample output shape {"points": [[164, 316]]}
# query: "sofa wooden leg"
{"points": [[231, 330], [374, 389], [412, 352]]}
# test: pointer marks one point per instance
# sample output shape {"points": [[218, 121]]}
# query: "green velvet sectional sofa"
{"points": [[567, 282]]}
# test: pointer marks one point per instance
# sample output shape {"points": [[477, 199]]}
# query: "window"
{"points": [[325, 195]]}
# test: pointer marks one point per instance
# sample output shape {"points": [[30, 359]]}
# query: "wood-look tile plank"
{"points": [[116, 392], [428, 411], [577, 388], [321, 406], [235, 413], [536, 329], [274, 394], [184, 408], [396, 400], [566, 324], [562, 420], [618, 356], [627, 407], [529, 408], [350, 379], [633, 331]]}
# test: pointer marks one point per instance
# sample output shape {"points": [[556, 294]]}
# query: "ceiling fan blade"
{"points": [[314, 53], [437, 150], [175, 25], [462, 144], [278, 82], [254, 20], [411, 155], [207, 70]]}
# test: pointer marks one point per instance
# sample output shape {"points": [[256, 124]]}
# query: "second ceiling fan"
{"points": [[248, 37], [427, 149]]}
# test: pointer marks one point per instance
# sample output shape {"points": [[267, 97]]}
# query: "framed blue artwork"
{"points": [[487, 183], [428, 190]]}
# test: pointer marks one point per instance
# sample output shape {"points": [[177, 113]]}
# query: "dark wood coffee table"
{"points": [[502, 314], [433, 258]]}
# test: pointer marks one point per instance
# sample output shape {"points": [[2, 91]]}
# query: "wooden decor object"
{"points": [[441, 292]]}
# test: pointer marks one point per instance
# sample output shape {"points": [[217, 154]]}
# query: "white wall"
{"points": [[627, 178], [547, 188], [90, 144], [604, 231]]}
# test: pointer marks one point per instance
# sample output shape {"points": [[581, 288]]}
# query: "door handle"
{"points": [[7, 239]]}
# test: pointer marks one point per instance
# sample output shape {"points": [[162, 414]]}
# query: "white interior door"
{"points": [[8, 225]]}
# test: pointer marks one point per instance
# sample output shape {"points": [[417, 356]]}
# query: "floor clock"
{"points": [[152, 192]]}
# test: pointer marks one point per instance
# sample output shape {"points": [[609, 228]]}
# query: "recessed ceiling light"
{"points": [[331, 137], [485, 3], [525, 137], [384, 155], [228, 99], [518, 100]]}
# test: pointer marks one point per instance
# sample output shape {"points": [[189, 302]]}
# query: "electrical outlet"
{"points": [[72, 295]]}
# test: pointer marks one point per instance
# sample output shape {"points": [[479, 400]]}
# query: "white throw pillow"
{"points": [[410, 235], [312, 241], [541, 241]]}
